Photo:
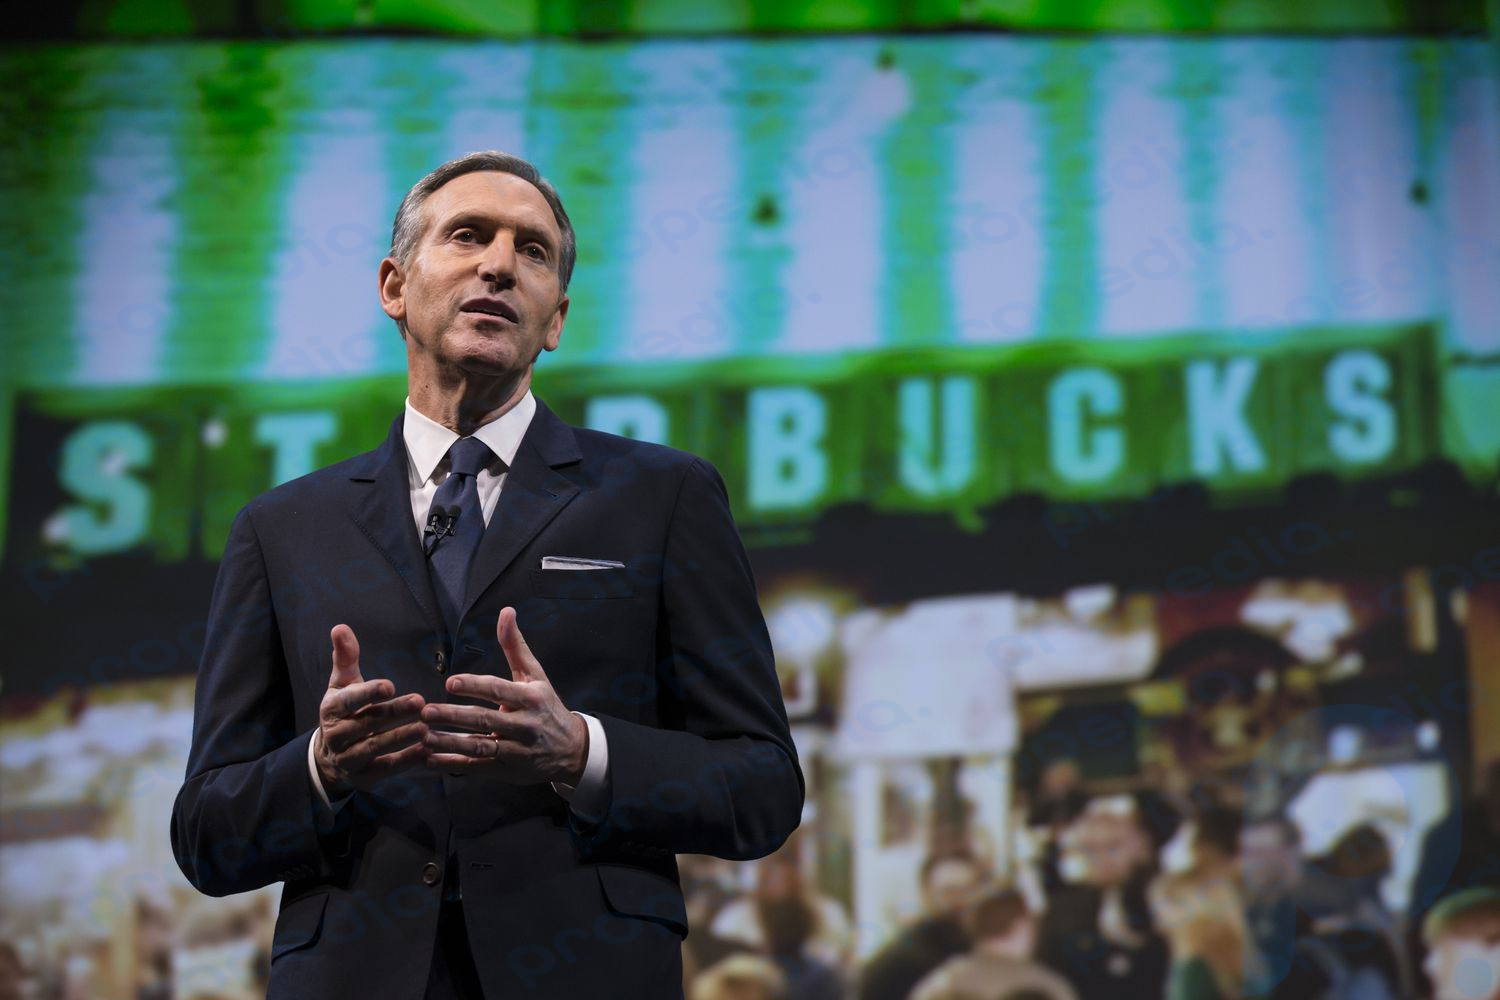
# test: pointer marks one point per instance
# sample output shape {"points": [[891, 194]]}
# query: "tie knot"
{"points": [[467, 456]]}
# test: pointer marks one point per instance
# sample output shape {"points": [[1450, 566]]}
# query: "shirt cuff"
{"points": [[590, 796], [317, 782]]}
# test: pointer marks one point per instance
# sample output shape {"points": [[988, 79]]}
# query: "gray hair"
{"points": [[407, 228]]}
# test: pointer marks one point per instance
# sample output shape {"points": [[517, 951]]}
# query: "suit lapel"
{"points": [[383, 513], [533, 494]]}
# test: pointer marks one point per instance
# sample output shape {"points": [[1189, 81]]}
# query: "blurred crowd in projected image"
{"points": [[1009, 798]]}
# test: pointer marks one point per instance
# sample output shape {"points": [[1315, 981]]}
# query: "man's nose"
{"points": [[498, 264]]}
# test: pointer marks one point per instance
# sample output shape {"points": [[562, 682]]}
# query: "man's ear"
{"points": [[554, 334], [393, 290]]}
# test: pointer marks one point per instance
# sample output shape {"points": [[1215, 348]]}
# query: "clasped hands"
{"points": [[366, 731]]}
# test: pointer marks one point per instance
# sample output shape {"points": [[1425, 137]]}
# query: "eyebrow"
{"points": [[484, 220]]}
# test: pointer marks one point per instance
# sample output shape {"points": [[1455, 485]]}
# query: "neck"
{"points": [[467, 402]]}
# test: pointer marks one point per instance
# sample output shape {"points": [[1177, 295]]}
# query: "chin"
{"points": [[484, 356]]}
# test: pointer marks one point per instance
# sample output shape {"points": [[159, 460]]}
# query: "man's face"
{"points": [[481, 292], [1102, 849], [1061, 777], [1464, 969], [951, 884]]}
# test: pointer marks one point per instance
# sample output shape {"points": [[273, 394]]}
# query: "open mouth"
{"points": [[493, 308]]}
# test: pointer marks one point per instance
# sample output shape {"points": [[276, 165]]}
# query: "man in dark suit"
{"points": [[456, 816], [1097, 932]]}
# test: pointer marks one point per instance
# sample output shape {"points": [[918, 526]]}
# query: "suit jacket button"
{"points": [[440, 661], [431, 873]]}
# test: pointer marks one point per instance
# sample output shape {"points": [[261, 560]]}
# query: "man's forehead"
{"points": [[491, 191]]}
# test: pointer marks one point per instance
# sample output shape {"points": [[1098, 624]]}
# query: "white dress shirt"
{"points": [[427, 444]]}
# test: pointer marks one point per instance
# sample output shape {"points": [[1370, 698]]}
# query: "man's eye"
{"points": [[465, 235], [534, 252]]}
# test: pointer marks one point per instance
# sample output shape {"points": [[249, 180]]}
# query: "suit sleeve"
{"points": [[719, 775], [247, 814]]}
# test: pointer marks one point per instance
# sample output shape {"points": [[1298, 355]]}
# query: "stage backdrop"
{"points": [[1068, 346]]}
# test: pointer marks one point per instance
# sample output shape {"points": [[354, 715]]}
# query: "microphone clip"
{"points": [[441, 521]]}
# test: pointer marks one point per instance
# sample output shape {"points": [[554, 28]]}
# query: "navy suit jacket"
{"points": [[671, 654]]}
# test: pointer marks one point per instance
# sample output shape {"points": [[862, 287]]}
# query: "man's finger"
{"points": [[362, 754], [523, 665], [457, 761], [506, 760], [343, 731], [409, 757], [380, 713], [466, 745], [475, 719], [498, 690], [345, 657], [343, 703]]}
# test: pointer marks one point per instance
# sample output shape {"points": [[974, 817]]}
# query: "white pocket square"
{"points": [[571, 562]]}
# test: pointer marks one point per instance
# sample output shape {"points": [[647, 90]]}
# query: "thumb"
{"points": [[345, 657], [523, 665]]}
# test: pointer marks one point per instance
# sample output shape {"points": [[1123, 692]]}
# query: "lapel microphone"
{"points": [[441, 521]]}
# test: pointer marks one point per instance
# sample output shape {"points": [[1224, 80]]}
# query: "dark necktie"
{"points": [[455, 524]]}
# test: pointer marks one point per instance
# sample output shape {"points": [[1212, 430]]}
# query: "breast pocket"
{"points": [[595, 616], [581, 589]]}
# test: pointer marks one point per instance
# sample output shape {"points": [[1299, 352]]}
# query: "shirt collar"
{"points": [[427, 441]]}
